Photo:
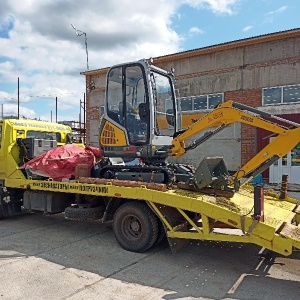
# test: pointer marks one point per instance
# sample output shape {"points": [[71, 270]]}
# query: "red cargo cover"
{"points": [[60, 162]]}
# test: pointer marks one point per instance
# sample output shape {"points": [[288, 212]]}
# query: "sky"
{"points": [[39, 46]]}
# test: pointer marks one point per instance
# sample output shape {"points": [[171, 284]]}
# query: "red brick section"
{"points": [[250, 98], [209, 72], [92, 114], [286, 61]]}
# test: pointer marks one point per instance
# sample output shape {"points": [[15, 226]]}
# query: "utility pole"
{"points": [[84, 119], [18, 98], [80, 33], [56, 109], [80, 133]]}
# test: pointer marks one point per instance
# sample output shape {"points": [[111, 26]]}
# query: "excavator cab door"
{"points": [[125, 93]]}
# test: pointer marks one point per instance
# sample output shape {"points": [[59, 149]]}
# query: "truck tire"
{"points": [[82, 214], [161, 232], [135, 227]]}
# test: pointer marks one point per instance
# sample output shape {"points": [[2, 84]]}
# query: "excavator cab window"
{"points": [[163, 104], [126, 93], [137, 129], [114, 94]]}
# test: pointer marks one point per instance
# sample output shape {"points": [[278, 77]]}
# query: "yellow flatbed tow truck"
{"points": [[188, 215], [145, 202]]}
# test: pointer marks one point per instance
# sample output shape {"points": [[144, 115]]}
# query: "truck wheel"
{"points": [[86, 213], [135, 227]]}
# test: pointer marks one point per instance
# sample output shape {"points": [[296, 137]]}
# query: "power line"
{"points": [[43, 96]]}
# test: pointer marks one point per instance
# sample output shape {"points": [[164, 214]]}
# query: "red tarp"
{"points": [[61, 162]]}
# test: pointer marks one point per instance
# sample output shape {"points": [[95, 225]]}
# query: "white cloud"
{"points": [[8, 110], [247, 28], [42, 49], [278, 11], [273, 14], [39, 46], [228, 7], [195, 31]]}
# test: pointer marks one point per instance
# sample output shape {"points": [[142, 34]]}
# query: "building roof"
{"points": [[216, 48]]}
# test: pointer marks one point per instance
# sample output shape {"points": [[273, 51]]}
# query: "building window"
{"points": [[201, 102], [214, 100], [291, 93], [281, 95], [186, 104]]}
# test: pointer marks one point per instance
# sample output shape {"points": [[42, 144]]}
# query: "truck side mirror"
{"points": [[144, 112]]}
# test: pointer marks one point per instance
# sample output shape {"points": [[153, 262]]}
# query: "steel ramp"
{"points": [[223, 219]]}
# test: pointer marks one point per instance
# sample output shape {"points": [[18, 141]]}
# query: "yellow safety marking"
{"points": [[111, 135]]}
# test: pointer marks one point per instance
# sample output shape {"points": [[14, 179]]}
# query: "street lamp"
{"points": [[80, 33]]}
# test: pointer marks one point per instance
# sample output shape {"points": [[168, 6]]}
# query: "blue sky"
{"points": [[248, 18], [38, 44]]}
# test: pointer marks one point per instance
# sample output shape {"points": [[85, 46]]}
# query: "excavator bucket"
{"points": [[211, 172]]}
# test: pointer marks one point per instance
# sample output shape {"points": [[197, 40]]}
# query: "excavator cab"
{"points": [[140, 114]]}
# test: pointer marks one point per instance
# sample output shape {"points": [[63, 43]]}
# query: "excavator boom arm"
{"points": [[230, 112], [278, 147]]}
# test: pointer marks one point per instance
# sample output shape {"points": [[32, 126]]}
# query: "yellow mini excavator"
{"points": [[142, 120]]}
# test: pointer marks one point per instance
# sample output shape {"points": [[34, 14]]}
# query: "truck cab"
{"points": [[21, 140]]}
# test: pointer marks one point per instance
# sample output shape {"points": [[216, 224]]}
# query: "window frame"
{"points": [[192, 98], [281, 87]]}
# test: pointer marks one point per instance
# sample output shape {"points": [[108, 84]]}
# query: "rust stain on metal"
{"points": [[126, 183]]}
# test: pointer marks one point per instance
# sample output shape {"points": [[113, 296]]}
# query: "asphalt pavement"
{"points": [[48, 257]]}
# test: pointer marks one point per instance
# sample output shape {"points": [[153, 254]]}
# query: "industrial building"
{"points": [[261, 72]]}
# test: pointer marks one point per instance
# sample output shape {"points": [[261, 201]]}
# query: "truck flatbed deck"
{"points": [[190, 215]]}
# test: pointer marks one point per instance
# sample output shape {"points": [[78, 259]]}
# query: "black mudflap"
{"points": [[175, 219], [10, 209]]}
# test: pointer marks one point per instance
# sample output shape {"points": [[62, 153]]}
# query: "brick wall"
{"points": [[92, 113], [251, 98], [87, 110], [94, 99]]}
